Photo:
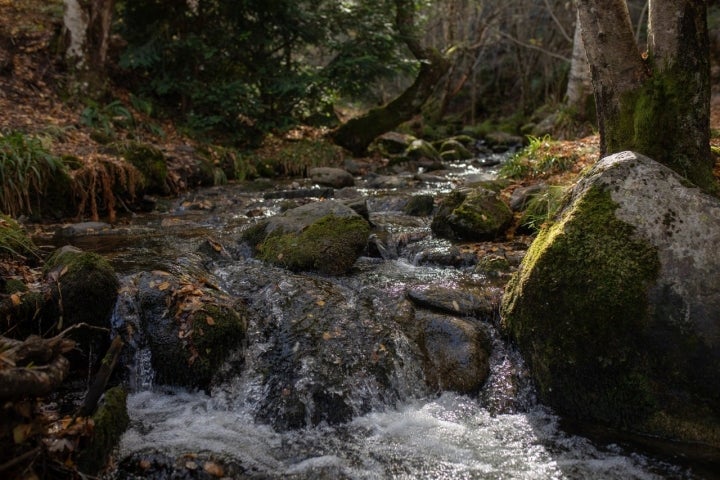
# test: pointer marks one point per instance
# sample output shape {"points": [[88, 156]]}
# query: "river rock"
{"points": [[616, 305], [331, 177], [452, 300], [453, 149], [457, 352], [326, 237], [191, 327], [83, 289], [475, 214], [420, 205], [318, 352]]}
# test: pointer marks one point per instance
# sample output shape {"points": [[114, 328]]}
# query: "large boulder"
{"points": [[326, 237], [475, 214], [616, 305], [317, 352]]}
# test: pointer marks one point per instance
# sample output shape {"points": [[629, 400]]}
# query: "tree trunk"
{"points": [[357, 133], [579, 87], [657, 103], [88, 30]]}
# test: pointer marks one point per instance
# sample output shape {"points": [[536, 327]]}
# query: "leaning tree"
{"points": [[655, 102]]}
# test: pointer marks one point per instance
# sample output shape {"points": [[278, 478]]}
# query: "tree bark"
{"points": [[356, 134], [579, 87], [88, 29], [657, 103]]}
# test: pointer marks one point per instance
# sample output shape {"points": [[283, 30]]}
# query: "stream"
{"points": [[407, 431]]}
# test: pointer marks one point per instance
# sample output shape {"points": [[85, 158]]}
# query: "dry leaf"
{"points": [[214, 469], [210, 320], [320, 303], [15, 299], [456, 307], [327, 335], [164, 286]]}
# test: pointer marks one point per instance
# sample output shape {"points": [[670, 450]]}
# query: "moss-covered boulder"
{"points": [[421, 149], [326, 237], [472, 214], [83, 289], [453, 149], [615, 306], [191, 328]]}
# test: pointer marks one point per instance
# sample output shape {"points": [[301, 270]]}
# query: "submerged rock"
{"points": [[613, 306]]}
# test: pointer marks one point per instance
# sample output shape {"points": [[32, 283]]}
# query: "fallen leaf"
{"points": [[214, 469], [15, 299], [320, 303], [327, 335], [455, 305], [210, 320], [163, 286]]}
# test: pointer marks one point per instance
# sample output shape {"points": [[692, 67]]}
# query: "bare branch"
{"points": [[533, 47], [557, 22]]}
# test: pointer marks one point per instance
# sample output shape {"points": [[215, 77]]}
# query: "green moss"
{"points": [[151, 163], [577, 308], [330, 245], [13, 285], [656, 119], [85, 288], [111, 420]]}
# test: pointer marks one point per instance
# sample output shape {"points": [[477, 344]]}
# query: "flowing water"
{"points": [[500, 433]]}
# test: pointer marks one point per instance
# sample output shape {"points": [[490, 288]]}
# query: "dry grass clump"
{"points": [[100, 184]]}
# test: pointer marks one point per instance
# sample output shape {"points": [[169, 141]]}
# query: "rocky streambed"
{"points": [[265, 341]]}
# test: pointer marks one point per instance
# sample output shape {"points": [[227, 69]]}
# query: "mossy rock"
{"points": [[476, 214], [191, 329], [612, 308], [454, 150], [152, 164], [110, 422], [83, 288], [217, 331], [325, 237], [421, 149]]}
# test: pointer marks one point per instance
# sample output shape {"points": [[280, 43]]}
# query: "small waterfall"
{"points": [[125, 321]]}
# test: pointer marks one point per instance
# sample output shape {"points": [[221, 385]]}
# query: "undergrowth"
{"points": [[537, 159], [26, 170], [101, 183]]}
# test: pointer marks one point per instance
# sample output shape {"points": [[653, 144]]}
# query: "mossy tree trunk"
{"points": [[358, 133], [655, 102]]}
